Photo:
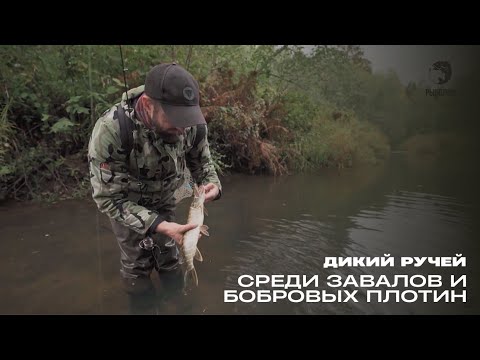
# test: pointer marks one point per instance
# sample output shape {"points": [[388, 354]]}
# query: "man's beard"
{"points": [[168, 137]]}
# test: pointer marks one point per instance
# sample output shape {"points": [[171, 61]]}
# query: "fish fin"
{"points": [[190, 274], [194, 276], [204, 230], [196, 191], [198, 255], [205, 210]]}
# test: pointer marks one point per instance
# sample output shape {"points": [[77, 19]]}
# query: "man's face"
{"points": [[163, 127]]}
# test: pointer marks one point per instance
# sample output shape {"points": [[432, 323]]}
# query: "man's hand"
{"points": [[174, 230], [211, 192]]}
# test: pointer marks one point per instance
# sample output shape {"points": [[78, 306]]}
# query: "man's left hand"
{"points": [[211, 192]]}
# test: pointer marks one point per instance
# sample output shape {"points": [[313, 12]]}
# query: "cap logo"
{"points": [[188, 93]]}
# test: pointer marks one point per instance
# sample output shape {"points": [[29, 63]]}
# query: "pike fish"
{"points": [[189, 249]]}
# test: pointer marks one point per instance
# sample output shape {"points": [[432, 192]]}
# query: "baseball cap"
{"points": [[177, 91]]}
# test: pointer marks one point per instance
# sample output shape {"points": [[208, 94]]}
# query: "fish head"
{"points": [[198, 195]]}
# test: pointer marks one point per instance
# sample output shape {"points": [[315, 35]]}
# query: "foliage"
{"points": [[270, 109]]}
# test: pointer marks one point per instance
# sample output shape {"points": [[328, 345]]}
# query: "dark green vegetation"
{"points": [[270, 109]]}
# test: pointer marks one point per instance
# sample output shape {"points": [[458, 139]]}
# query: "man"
{"points": [[135, 189]]}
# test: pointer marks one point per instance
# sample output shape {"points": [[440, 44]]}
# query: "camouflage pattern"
{"points": [[115, 182], [136, 264]]}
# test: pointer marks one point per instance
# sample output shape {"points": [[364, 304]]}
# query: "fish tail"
{"points": [[192, 274]]}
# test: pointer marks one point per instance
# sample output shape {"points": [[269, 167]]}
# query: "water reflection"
{"points": [[65, 260], [404, 224]]}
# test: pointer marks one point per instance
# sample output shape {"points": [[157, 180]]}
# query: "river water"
{"points": [[63, 259]]}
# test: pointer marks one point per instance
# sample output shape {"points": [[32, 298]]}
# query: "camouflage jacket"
{"points": [[142, 200]]}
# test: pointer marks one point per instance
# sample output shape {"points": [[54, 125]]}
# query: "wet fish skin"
{"points": [[189, 249]]}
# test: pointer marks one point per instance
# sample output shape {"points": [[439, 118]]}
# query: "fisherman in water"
{"points": [[135, 187]]}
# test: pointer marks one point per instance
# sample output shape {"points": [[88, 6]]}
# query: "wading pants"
{"points": [[136, 264]]}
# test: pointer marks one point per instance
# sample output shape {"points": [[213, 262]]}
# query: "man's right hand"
{"points": [[174, 230]]}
